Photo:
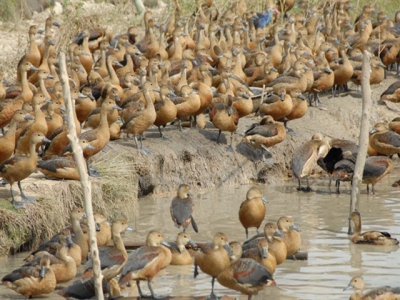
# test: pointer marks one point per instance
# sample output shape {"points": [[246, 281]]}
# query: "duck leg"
{"points": [[153, 295], [16, 204], [140, 291], [162, 135], [308, 188], [25, 198], [219, 134], [92, 172], [212, 295], [299, 187], [247, 233], [230, 148], [337, 186]]}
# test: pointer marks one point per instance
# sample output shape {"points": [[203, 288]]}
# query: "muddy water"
{"points": [[322, 217]]}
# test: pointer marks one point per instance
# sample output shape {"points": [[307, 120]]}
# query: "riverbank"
{"points": [[192, 156]]}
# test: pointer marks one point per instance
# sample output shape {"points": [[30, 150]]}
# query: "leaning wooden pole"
{"points": [[84, 178], [364, 134]]}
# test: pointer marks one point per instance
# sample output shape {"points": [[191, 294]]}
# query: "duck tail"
{"points": [[194, 224]]}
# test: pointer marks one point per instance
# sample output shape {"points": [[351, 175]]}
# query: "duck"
{"points": [[188, 103], [180, 255], [291, 232], [278, 105], [79, 237], [343, 72], [84, 104], [139, 122], [147, 261], [392, 93], [24, 89], [304, 159], [260, 254], [63, 167], [358, 284], [93, 118], [32, 281], [166, 110], [7, 141], [61, 263], [252, 210], [54, 119], [181, 209], [385, 142], [299, 108], [246, 276], [104, 232], [38, 125], [33, 54], [225, 117], [394, 125], [276, 245], [59, 138], [112, 258], [265, 134], [375, 168], [19, 167], [100, 136], [213, 258], [369, 237]]}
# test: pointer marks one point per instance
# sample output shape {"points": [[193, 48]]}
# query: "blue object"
{"points": [[261, 20]]}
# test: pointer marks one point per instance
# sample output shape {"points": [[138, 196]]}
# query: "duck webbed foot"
{"points": [[18, 204]]}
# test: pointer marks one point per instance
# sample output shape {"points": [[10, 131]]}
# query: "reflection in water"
{"points": [[323, 219]]}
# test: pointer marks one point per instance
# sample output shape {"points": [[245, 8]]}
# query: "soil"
{"points": [[191, 156]]}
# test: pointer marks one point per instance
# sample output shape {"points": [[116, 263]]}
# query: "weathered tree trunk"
{"points": [[84, 178], [364, 135]]}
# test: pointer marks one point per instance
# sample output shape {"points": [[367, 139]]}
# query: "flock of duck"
{"points": [[126, 83], [245, 267]]}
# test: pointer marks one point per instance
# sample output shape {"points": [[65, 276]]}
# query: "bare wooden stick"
{"points": [[84, 178], [364, 135]]}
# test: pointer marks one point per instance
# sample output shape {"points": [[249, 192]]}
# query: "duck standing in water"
{"points": [[252, 210], [305, 158], [182, 209], [213, 258]]}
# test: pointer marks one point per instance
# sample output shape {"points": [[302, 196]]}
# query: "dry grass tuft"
{"points": [[114, 194], [119, 182]]}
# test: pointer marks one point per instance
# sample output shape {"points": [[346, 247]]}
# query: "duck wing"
{"points": [[249, 272], [140, 258], [181, 210]]}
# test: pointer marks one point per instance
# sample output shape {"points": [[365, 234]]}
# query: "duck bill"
{"points": [[193, 244], [278, 233], [228, 249], [264, 252], [166, 244], [97, 226], [265, 200], [347, 287], [295, 227], [42, 271]]}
